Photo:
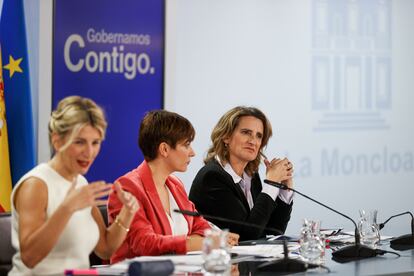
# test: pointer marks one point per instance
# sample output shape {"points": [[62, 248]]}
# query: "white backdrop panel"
{"points": [[335, 79]]}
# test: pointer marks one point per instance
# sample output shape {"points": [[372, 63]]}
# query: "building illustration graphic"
{"points": [[351, 64]]}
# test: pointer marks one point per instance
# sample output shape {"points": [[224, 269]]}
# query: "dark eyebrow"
{"points": [[249, 130]]}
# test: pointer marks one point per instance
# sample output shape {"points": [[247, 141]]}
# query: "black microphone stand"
{"points": [[197, 214], [283, 265], [286, 264], [348, 253], [403, 242]]}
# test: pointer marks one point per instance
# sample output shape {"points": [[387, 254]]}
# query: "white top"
{"points": [[178, 223], [77, 240]]}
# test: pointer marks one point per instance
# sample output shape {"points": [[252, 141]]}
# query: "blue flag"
{"points": [[17, 89]]}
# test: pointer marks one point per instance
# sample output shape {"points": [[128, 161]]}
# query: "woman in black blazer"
{"points": [[229, 185]]}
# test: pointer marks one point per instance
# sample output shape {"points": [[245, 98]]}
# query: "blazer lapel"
{"points": [[152, 193], [235, 186], [256, 187], [172, 186]]}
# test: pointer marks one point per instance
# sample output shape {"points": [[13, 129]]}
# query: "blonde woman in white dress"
{"points": [[56, 223]]}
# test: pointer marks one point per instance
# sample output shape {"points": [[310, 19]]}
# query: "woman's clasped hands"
{"points": [[280, 170]]}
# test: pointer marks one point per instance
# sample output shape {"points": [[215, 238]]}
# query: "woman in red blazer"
{"points": [[164, 139]]}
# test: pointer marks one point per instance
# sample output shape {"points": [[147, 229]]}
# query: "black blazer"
{"points": [[214, 193]]}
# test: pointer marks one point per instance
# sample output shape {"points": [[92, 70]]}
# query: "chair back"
{"points": [[104, 212], [6, 249], [93, 258]]}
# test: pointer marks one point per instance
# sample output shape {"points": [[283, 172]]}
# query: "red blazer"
{"points": [[150, 232]]}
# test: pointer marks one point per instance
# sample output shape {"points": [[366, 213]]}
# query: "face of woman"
{"points": [[80, 154], [180, 156], [246, 139]]}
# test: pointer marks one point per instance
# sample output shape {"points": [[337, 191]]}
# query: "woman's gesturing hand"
{"points": [[88, 195], [128, 200]]}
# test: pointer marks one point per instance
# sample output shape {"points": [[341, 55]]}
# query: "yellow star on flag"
{"points": [[13, 66]]}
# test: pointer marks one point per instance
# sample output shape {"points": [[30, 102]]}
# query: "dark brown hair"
{"points": [[163, 126]]}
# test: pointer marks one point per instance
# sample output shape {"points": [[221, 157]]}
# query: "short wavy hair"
{"points": [[163, 126], [225, 128], [72, 114]]}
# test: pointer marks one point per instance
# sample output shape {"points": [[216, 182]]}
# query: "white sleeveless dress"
{"points": [[77, 240]]}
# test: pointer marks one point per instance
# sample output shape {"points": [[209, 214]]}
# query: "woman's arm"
{"points": [[144, 236], [144, 240], [39, 234], [112, 237], [214, 193]]}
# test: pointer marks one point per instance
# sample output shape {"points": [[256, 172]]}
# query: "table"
{"points": [[387, 264]]}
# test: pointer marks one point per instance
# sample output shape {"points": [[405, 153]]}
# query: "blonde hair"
{"points": [[225, 128], [72, 114]]}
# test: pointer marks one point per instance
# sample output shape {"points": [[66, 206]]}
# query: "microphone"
{"points": [[283, 265], [345, 254], [286, 264], [403, 242]]}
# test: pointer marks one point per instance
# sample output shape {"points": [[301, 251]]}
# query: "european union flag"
{"points": [[17, 89]]}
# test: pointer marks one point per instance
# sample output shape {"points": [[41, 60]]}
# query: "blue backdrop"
{"points": [[112, 52], [17, 89]]}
